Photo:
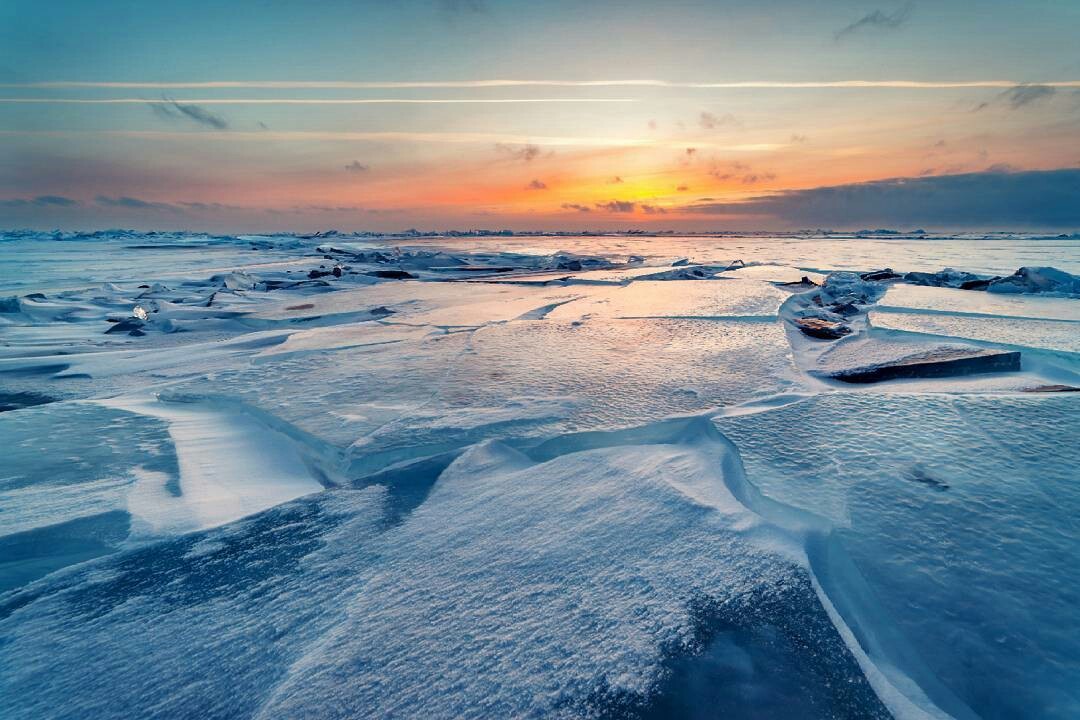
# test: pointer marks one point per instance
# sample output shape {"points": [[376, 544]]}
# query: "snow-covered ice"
{"points": [[349, 476]]}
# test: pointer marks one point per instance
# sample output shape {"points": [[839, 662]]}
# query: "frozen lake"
{"points": [[615, 476]]}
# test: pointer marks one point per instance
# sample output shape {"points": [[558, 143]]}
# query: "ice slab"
{"points": [[919, 362]]}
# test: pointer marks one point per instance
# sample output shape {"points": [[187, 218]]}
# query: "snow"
{"points": [[513, 487], [230, 467]]}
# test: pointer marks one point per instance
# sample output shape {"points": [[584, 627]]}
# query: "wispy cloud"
{"points": [[878, 19], [1021, 96], [709, 121], [391, 136], [576, 207], [536, 185], [173, 110], [53, 201], [357, 167], [526, 152], [169, 107], [132, 203], [617, 206], [742, 172]]}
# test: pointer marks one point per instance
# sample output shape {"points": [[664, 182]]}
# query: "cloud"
{"points": [[991, 200], [652, 209], [527, 153], [203, 206], [617, 180], [877, 19], [797, 139], [132, 203], [1019, 96], [53, 201], [756, 177], [682, 188], [357, 167], [709, 121], [617, 206], [443, 84], [575, 206], [742, 172], [1022, 95], [536, 185], [173, 110], [326, 208]]}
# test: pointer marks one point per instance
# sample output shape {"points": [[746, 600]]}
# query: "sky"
{"points": [[274, 115]]}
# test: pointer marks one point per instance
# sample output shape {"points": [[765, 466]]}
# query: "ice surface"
{"points": [[566, 586], [960, 512], [284, 486], [1045, 334], [230, 466], [968, 303]]}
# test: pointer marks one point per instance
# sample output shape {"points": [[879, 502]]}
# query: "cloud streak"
{"points": [[396, 85], [169, 106], [390, 136], [1021, 96], [41, 201], [877, 19], [173, 110], [132, 203]]}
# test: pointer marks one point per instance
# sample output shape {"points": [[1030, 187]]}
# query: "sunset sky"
{"points": [[778, 114]]}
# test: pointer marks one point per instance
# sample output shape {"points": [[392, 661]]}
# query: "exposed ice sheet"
{"points": [[774, 273], [983, 304], [586, 582], [67, 471], [960, 512], [657, 298], [1045, 334], [230, 466]]}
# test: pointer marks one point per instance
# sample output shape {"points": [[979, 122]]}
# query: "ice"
{"points": [[230, 466], [513, 484], [655, 298], [961, 302], [960, 514], [525, 586], [1017, 332], [1037, 280]]}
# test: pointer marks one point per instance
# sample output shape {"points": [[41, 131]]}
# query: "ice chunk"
{"points": [[1037, 280], [924, 362]]}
